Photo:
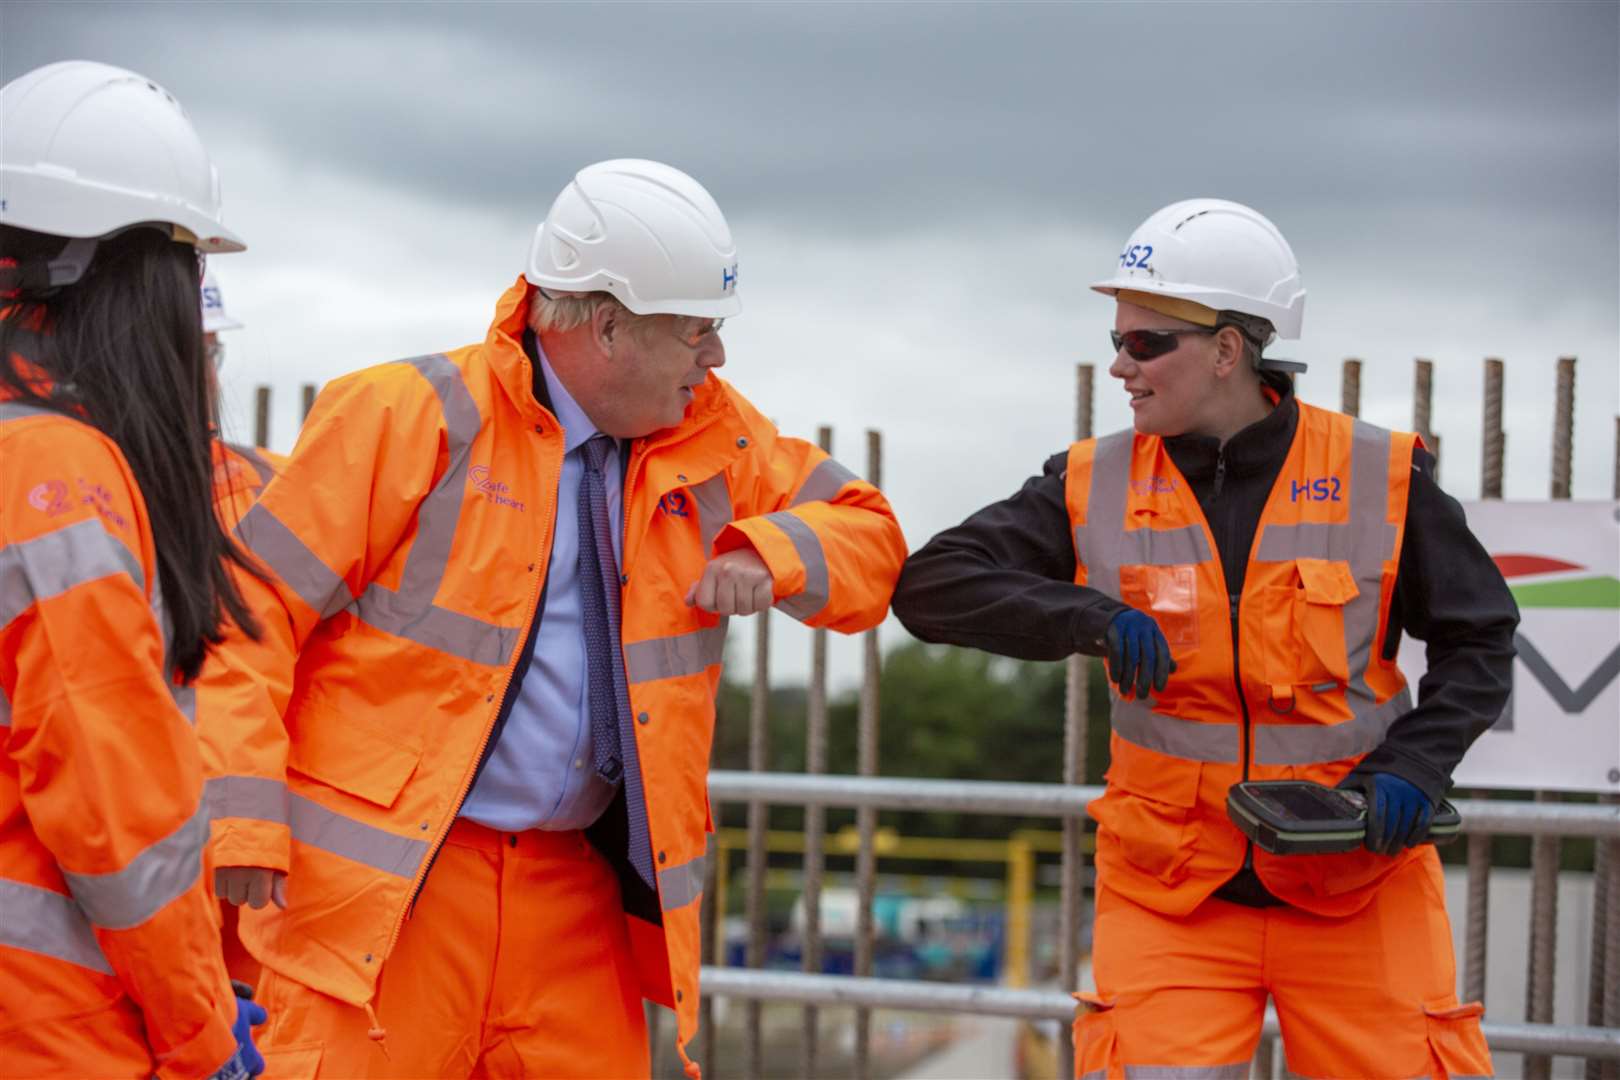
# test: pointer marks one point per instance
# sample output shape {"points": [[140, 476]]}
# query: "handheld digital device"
{"points": [[1298, 817]]}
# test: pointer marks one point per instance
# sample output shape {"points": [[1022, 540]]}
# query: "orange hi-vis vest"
{"points": [[240, 473], [109, 950], [1286, 681], [407, 540]]}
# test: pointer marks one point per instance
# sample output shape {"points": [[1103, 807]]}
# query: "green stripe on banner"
{"points": [[1592, 592]]}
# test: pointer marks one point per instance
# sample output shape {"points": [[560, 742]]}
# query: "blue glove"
{"points": [[247, 1061], [1398, 813], [1138, 655]]}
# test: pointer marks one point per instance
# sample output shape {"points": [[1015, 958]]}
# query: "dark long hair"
{"points": [[123, 351]]}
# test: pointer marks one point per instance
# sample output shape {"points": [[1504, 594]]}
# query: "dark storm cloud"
{"points": [[903, 117]]}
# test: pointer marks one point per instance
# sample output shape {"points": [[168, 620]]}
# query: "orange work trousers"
{"points": [[1369, 995], [238, 961], [516, 962]]}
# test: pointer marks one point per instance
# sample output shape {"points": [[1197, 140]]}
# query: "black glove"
{"points": [[1138, 655], [1398, 813]]}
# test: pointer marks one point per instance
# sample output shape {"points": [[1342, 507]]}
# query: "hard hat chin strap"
{"points": [[42, 275]]}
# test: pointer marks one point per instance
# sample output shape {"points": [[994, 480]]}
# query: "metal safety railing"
{"points": [[1068, 802]]}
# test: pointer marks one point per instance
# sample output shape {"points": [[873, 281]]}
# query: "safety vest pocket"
{"points": [[1170, 595], [1304, 643], [1148, 807], [1456, 1044]]}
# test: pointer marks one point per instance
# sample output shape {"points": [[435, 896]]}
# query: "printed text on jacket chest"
{"points": [[494, 491]]}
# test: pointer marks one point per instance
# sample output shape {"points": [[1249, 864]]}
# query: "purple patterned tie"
{"points": [[613, 740]]}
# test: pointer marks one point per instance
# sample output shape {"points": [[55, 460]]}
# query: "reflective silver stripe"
{"points": [[440, 512], [438, 628], [1137, 723], [1372, 541], [1164, 547], [129, 897], [1307, 540], [681, 885], [1100, 542], [283, 552], [1236, 1071], [410, 612], [813, 597], [337, 834], [17, 410], [1308, 744], [254, 458], [247, 798], [679, 654], [713, 498], [185, 699], [48, 924], [52, 563], [5, 708], [824, 482]]}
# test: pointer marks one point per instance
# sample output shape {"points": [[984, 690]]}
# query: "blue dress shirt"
{"points": [[539, 774]]}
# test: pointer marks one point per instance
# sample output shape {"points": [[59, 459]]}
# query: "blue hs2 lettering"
{"points": [[1322, 489], [728, 277], [1136, 257]]}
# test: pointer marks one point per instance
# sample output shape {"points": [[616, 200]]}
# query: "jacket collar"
{"points": [[1259, 446], [513, 355]]}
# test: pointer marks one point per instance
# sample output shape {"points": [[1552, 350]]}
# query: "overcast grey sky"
{"points": [[921, 193]]}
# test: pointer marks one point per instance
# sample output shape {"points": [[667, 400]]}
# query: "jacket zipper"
{"points": [[1243, 706], [543, 568], [1237, 671]]}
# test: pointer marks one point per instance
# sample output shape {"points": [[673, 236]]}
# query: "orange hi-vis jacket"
{"points": [[408, 539], [1290, 680], [240, 473], [106, 921]]}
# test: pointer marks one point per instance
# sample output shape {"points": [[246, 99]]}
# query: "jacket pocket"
{"points": [[302, 1062], [1456, 1044], [1096, 1040], [1148, 807], [351, 755]]}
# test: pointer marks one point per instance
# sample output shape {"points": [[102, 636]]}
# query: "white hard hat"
{"points": [[88, 149], [215, 317], [646, 233], [1216, 253]]}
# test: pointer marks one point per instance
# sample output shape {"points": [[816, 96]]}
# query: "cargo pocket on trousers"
{"points": [[1096, 1043], [1456, 1044], [302, 1062]]}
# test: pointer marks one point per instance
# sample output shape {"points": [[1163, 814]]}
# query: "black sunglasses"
{"points": [[1142, 345]]}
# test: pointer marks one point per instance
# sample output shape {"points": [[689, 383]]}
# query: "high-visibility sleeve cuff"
{"points": [[251, 843], [205, 1052], [772, 545]]}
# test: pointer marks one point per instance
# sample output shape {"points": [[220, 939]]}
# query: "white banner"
{"points": [[1561, 729]]}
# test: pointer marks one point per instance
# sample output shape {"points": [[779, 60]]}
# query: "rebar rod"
{"points": [[758, 820], [866, 816], [1495, 439], [1538, 1009], [1072, 915], [1350, 388]]}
